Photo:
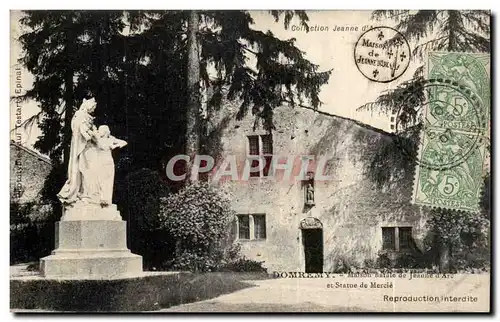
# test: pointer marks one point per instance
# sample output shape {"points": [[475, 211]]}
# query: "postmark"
{"points": [[382, 54], [435, 117], [458, 187], [455, 121]]}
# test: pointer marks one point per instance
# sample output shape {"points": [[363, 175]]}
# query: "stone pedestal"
{"points": [[91, 242]]}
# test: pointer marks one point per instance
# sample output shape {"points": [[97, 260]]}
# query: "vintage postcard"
{"points": [[250, 161]]}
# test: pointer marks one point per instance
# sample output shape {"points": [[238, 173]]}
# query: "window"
{"points": [[253, 143], [243, 227], [259, 222], [396, 238], [251, 227], [267, 152], [388, 238], [260, 145], [404, 238]]}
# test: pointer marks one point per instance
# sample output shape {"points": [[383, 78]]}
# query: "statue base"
{"points": [[94, 248], [88, 211]]}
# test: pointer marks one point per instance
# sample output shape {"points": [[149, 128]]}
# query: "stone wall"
{"points": [[28, 171], [351, 207]]}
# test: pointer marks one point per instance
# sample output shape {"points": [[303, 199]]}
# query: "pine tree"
{"points": [[57, 50], [140, 78], [430, 30], [48, 49], [226, 43]]}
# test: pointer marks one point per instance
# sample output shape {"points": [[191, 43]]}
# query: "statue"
{"points": [[91, 237], [106, 167], [91, 168], [82, 125], [309, 194]]}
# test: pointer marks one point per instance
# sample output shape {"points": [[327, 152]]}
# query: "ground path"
{"points": [[273, 295], [314, 295]]}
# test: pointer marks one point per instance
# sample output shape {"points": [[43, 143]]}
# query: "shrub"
{"points": [[369, 263], [138, 197], [383, 261], [244, 264], [198, 218], [31, 231], [409, 260], [344, 265], [464, 235]]}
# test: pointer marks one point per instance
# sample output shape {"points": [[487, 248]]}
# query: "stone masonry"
{"points": [[351, 208]]}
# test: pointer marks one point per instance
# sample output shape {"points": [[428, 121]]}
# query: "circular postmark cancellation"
{"points": [[382, 54], [451, 117]]}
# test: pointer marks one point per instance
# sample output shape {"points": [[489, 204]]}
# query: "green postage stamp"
{"points": [[455, 135]]}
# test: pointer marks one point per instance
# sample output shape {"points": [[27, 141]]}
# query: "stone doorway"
{"points": [[312, 242], [313, 250]]}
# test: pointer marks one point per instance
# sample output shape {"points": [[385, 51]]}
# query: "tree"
{"points": [[431, 30], [140, 78], [48, 50], [59, 49], [281, 73], [193, 79], [146, 70], [445, 30]]}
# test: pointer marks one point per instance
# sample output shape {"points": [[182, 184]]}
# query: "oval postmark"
{"points": [[449, 123], [382, 54]]}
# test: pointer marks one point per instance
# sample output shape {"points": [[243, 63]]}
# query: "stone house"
{"points": [[308, 224], [28, 171]]}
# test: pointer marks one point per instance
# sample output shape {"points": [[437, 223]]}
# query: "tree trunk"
{"points": [[193, 79], [68, 93], [68, 115], [453, 20], [444, 257], [98, 64]]}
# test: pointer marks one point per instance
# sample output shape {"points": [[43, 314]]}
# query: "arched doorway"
{"points": [[312, 240]]}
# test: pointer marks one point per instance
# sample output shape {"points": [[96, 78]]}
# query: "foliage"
{"points": [[400, 260], [139, 79], [383, 261], [448, 30], [409, 260], [344, 264], [138, 195], [134, 63], [451, 227], [31, 231], [234, 261], [244, 265], [281, 73], [465, 234], [445, 30], [198, 217], [59, 47], [392, 160]]}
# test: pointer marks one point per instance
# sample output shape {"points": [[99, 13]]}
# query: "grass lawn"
{"points": [[147, 293]]}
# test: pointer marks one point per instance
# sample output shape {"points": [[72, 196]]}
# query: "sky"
{"points": [[331, 49], [347, 88]]}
